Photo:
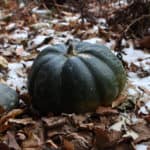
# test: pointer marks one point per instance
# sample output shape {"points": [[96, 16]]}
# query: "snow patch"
{"points": [[139, 82], [141, 147], [41, 12], [95, 40], [19, 35], [145, 109], [71, 18], [13, 78], [133, 55]]}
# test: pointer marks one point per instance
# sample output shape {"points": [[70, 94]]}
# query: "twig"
{"points": [[134, 22]]}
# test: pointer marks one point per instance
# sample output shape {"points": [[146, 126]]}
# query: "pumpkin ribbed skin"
{"points": [[79, 82]]}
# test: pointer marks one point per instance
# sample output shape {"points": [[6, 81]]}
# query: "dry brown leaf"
{"points": [[35, 136], [106, 111], [147, 118], [86, 126], [12, 143], [125, 144], [67, 145], [2, 110], [119, 100], [105, 138], [3, 62], [61, 27], [32, 142], [66, 13], [21, 136], [26, 98], [143, 131], [11, 114], [55, 122], [76, 142], [3, 146], [51, 144], [133, 67], [4, 119], [24, 121], [143, 43], [11, 5], [103, 34]]}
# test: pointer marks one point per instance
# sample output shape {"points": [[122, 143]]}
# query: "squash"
{"points": [[75, 78], [8, 98]]}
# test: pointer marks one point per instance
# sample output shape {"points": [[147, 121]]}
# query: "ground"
{"points": [[28, 30]]}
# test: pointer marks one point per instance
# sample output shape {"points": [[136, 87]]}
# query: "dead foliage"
{"points": [[23, 128]]}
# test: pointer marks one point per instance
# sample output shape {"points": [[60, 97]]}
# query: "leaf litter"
{"points": [[123, 126]]}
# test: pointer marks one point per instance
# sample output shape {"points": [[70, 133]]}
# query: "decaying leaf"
{"points": [[106, 111], [51, 144], [67, 145], [24, 32], [3, 62], [74, 141], [4, 119], [119, 100], [35, 137], [143, 131], [12, 143], [105, 139], [55, 122], [4, 146], [24, 121], [143, 43], [125, 144]]}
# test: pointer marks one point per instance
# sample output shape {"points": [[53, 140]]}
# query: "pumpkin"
{"points": [[8, 98], [75, 78]]}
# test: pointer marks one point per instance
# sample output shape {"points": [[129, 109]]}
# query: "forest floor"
{"points": [[125, 126]]}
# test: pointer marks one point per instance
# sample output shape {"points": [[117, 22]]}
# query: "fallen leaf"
{"points": [[133, 67], [51, 144], [32, 142], [35, 136], [54, 122], [12, 143], [103, 34], [4, 146], [3, 62], [142, 129], [4, 119], [106, 111], [105, 138], [76, 142], [143, 43], [119, 100], [24, 121], [125, 144], [67, 145], [61, 27], [147, 118], [21, 136]]}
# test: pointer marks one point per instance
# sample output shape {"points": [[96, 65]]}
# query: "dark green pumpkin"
{"points": [[9, 98], [63, 79]]}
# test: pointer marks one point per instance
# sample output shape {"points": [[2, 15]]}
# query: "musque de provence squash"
{"points": [[75, 78]]}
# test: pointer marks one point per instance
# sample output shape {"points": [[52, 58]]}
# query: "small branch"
{"points": [[134, 22]]}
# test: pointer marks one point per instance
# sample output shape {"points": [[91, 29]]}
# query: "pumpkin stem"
{"points": [[71, 50]]}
